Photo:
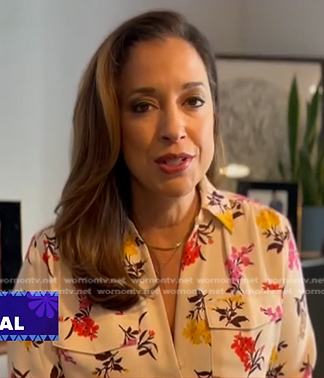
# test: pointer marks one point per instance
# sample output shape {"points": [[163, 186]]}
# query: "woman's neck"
{"points": [[164, 221], [154, 211]]}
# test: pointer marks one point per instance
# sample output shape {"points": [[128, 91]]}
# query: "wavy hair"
{"points": [[92, 216]]}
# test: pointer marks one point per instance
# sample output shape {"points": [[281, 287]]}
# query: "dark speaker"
{"points": [[10, 244]]}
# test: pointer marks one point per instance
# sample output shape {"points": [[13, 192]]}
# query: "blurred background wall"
{"points": [[46, 44]]}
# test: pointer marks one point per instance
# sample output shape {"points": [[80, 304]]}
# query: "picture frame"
{"points": [[10, 249], [284, 197], [10, 243], [253, 96]]}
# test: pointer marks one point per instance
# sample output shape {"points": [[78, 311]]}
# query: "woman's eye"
{"points": [[195, 102], [141, 107]]}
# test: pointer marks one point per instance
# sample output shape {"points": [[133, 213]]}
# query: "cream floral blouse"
{"points": [[241, 308]]}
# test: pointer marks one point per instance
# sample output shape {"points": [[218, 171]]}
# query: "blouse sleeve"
{"points": [[296, 351], [31, 359]]}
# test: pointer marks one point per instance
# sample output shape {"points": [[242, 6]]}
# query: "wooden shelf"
{"points": [[308, 263]]}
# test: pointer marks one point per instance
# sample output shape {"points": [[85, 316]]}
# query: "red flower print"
{"points": [[267, 285], [191, 251], [85, 327], [76, 325], [196, 251], [245, 348], [45, 257], [151, 332], [271, 286], [192, 242]]}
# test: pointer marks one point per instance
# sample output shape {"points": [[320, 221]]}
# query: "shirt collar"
{"points": [[217, 203]]}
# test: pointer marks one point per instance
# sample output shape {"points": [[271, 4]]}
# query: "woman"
{"points": [[159, 273]]}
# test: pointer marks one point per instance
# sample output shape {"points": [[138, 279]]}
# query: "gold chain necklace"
{"points": [[176, 246], [180, 243], [166, 248], [159, 266]]}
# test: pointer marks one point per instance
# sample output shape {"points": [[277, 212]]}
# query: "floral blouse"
{"points": [[241, 308]]}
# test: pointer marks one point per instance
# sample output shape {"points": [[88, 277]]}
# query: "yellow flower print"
{"points": [[274, 356], [124, 373], [27, 344], [267, 219], [204, 331], [190, 332], [130, 247], [197, 332], [234, 299], [227, 219]]}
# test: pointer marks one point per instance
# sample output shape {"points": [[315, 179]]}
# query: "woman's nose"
{"points": [[172, 126]]}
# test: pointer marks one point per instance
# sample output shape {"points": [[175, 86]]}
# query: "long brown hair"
{"points": [[92, 215]]}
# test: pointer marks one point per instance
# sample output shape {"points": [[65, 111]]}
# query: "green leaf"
{"points": [[320, 176], [311, 123], [293, 127], [308, 179]]}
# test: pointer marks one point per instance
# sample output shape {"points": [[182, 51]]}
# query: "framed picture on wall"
{"points": [[283, 197], [253, 103]]}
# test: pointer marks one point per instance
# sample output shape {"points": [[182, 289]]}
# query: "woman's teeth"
{"points": [[176, 161]]}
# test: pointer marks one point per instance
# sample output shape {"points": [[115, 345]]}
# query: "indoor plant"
{"points": [[307, 165]]}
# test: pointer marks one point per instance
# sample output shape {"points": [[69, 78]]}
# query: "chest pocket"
{"points": [[105, 344], [244, 329]]}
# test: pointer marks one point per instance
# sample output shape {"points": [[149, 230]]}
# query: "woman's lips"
{"points": [[172, 164]]}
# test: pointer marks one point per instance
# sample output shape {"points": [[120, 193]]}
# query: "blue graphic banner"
{"points": [[28, 315]]}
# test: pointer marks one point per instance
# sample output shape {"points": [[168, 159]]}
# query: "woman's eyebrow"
{"points": [[143, 90], [193, 84], [151, 90]]}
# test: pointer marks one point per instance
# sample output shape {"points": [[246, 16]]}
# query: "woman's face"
{"points": [[166, 117]]}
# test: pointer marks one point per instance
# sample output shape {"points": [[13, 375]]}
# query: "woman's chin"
{"points": [[178, 187]]}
